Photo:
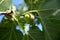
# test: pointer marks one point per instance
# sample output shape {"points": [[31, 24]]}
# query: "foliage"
{"points": [[47, 12]]}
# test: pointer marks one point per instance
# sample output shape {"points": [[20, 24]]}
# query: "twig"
{"points": [[2, 13]]}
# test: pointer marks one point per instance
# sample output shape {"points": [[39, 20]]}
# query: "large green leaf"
{"points": [[8, 30], [4, 4], [50, 25]]}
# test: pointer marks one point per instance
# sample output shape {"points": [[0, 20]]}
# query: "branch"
{"points": [[3, 13]]}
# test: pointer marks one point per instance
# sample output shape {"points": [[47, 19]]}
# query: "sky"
{"points": [[1, 16], [16, 3]]}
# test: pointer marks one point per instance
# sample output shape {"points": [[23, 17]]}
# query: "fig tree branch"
{"points": [[3, 13]]}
